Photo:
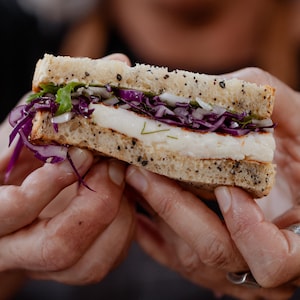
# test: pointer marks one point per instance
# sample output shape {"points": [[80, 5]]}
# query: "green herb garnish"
{"points": [[45, 88], [63, 97], [154, 131], [62, 94]]}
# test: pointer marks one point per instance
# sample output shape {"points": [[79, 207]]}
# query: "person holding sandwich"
{"points": [[175, 247]]}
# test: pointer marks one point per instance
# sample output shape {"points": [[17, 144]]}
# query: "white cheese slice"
{"points": [[254, 146]]}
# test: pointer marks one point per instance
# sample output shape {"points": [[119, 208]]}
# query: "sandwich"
{"points": [[201, 130]]}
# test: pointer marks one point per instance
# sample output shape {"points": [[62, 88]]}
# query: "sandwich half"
{"points": [[201, 130]]}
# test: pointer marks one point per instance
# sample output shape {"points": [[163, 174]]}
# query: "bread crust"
{"points": [[233, 94], [196, 174]]}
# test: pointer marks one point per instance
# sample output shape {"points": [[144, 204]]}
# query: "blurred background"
{"points": [[208, 36]]}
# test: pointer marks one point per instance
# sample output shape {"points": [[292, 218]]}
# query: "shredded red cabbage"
{"points": [[190, 115]]}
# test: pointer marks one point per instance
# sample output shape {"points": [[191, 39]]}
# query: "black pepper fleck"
{"points": [[222, 84], [144, 163], [119, 77]]}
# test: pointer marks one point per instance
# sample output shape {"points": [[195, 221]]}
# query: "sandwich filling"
{"points": [[253, 146], [165, 121]]}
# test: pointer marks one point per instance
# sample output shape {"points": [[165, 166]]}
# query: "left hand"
{"points": [[185, 235]]}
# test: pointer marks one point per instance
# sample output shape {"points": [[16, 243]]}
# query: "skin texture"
{"points": [[51, 228], [185, 235]]}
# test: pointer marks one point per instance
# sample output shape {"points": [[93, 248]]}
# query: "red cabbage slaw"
{"points": [[74, 99]]}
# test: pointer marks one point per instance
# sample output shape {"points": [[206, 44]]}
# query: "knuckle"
{"points": [[108, 208], [168, 203], [102, 207], [56, 255], [242, 228], [214, 254], [165, 207], [189, 261]]}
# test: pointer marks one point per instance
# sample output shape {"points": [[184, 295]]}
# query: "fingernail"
{"points": [[116, 172], [224, 198], [136, 178], [79, 157]]}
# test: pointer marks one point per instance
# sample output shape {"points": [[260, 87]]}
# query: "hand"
{"points": [[53, 229], [185, 235]]}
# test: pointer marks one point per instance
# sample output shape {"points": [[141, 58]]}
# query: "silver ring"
{"points": [[246, 278], [294, 228]]}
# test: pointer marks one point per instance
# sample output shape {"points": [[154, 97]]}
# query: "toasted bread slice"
{"points": [[233, 94]]}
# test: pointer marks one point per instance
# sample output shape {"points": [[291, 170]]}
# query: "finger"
{"points": [[58, 243], [273, 255], [107, 251], [191, 219], [21, 205], [290, 217], [118, 56]]}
